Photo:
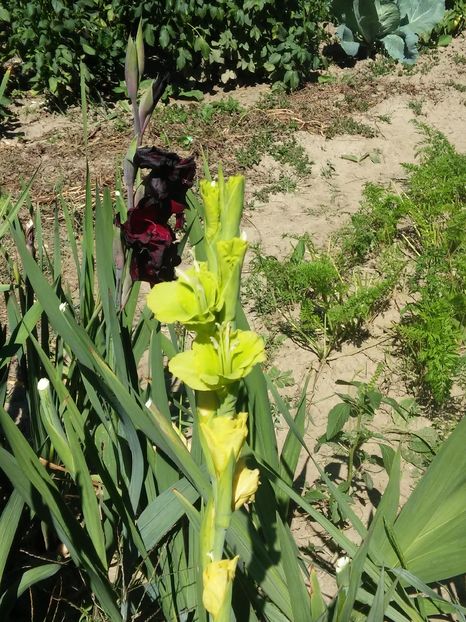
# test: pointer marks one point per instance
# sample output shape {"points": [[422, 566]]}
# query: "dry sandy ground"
{"points": [[320, 206]]}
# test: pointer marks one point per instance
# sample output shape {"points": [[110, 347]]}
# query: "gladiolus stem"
{"points": [[136, 121]]}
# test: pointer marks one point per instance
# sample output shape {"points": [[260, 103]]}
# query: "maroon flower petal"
{"points": [[141, 226], [166, 165], [154, 264]]}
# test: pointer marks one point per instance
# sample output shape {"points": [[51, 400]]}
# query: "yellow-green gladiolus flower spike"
{"points": [[223, 437], [230, 257], [192, 300], [217, 361], [245, 484], [218, 579], [210, 193]]}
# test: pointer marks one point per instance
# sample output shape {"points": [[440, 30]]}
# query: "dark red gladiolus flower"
{"points": [[147, 230], [169, 179], [154, 248]]}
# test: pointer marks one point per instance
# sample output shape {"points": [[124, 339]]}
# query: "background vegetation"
{"points": [[203, 41]]}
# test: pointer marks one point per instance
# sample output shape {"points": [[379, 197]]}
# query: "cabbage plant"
{"points": [[396, 24]]}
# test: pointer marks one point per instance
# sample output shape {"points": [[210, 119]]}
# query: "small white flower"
{"points": [[341, 563], [43, 384], [117, 193], [63, 306]]}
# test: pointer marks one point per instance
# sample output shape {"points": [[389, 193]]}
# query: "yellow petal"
{"points": [[218, 578], [245, 484], [224, 436], [192, 300]]}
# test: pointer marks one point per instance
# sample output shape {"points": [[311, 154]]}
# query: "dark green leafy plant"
{"points": [[396, 25], [203, 41], [453, 22], [51, 38]]}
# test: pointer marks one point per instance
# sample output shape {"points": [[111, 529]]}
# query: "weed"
{"points": [[461, 88], [419, 448], [328, 171], [273, 342], [227, 106], [415, 106], [285, 149], [459, 59], [275, 98], [284, 184], [384, 118], [280, 378], [120, 115], [347, 125], [292, 153], [188, 123], [360, 408], [356, 102], [349, 429], [382, 66]]}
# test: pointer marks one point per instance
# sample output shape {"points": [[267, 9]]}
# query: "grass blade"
{"points": [[9, 522], [246, 542], [292, 447], [318, 606], [299, 597], [27, 580], [158, 518], [377, 610], [431, 525]]}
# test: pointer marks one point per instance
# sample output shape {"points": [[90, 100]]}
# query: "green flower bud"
{"points": [[210, 193], [132, 70], [232, 203], [230, 257]]}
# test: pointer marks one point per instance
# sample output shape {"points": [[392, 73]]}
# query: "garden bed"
{"points": [[307, 158]]}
